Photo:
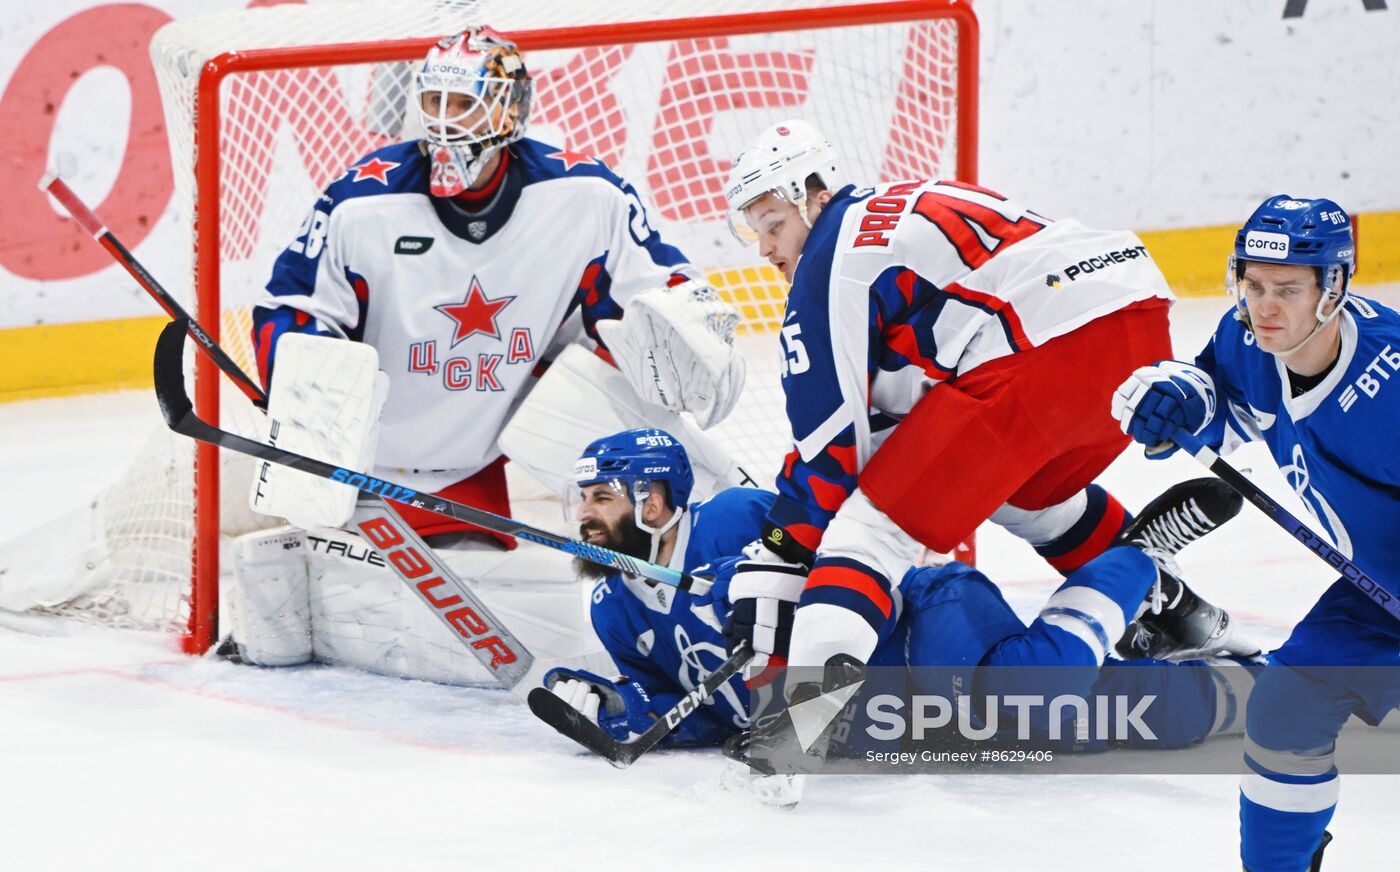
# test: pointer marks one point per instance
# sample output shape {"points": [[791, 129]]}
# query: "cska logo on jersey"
{"points": [[480, 370], [476, 314]]}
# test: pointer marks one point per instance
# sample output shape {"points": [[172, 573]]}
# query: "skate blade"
{"points": [[779, 792]]}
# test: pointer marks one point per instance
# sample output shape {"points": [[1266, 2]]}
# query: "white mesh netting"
{"points": [[667, 113]]}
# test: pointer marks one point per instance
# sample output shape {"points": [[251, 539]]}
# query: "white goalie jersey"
{"points": [[462, 306]]}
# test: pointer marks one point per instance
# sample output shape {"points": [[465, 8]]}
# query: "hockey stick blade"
{"points": [[569, 721], [1312, 540], [180, 416], [572, 723]]}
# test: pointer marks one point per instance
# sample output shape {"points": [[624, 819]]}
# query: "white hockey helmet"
{"points": [[486, 68], [779, 161]]}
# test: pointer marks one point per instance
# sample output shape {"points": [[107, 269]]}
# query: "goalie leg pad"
{"points": [[536, 593], [365, 617], [269, 604]]}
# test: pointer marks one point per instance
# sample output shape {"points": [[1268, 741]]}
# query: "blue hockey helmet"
{"points": [[630, 461], [638, 456], [1289, 230]]}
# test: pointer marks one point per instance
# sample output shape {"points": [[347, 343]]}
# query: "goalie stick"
{"points": [[410, 558], [571, 722], [180, 417], [1314, 542]]}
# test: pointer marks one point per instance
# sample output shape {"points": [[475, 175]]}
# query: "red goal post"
{"points": [[667, 101]]}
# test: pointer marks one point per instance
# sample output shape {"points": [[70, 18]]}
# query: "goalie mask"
{"points": [[473, 98], [1285, 230], [629, 463], [779, 161]]}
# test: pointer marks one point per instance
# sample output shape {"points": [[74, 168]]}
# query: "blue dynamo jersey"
{"points": [[668, 640], [1335, 444]]}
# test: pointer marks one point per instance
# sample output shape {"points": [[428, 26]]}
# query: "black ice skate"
{"points": [[1177, 623], [1317, 855], [1182, 514], [797, 740], [1185, 628]]}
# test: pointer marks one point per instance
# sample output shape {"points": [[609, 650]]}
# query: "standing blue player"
{"points": [[632, 492], [1306, 368]]}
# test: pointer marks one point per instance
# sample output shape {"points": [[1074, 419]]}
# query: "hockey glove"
{"points": [[1155, 401], [764, 592], [675, 345], [620, 706]]}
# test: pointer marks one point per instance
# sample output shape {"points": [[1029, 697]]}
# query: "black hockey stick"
{"points": [[1296, 528], [573, 723], [180, 416], [88, 220]]}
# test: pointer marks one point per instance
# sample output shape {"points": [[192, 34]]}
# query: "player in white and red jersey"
{"points": [[946, 352], [468, 259]]}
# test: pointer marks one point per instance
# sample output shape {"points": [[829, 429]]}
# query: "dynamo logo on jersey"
{"points": [[1262, 243]]}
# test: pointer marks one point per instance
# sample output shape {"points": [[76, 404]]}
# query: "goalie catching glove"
{"points": [[620, 706], [676, 348]]}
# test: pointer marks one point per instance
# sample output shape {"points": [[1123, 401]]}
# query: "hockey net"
{"points": [[268, 105]]}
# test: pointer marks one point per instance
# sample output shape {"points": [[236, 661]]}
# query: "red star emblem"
{"points": [[476, 314], [374, 168], [572, 159]]}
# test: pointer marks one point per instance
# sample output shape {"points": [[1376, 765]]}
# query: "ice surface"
{"points": [[118, 753]]}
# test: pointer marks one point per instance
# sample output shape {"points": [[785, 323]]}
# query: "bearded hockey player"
{"points": [[631, 493], [464, 263], [946, 352], [1303, 366]]}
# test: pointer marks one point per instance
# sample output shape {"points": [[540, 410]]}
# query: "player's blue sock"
{"points": [[1282, 818], [1097, 601]]}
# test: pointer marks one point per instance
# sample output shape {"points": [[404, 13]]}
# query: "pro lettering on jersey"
{"points": [[1103, 261], [1371, 379], [906, 285]]}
